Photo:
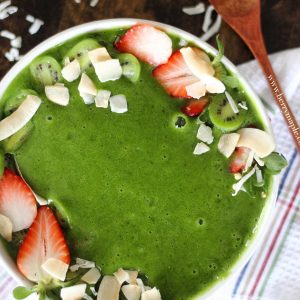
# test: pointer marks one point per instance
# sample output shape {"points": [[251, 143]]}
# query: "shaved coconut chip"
{"points": [[152, 294], [87, 86], [227, 143], [87, 297], [140, 283], [6, 12], [214, 29], [58, 94], [204, 134], [92, 276], [182, 42], [6, 227], [87, 98], [17, 42], [131, 292], [108, 70], [196, 90], [75, 292], [257, 140], [56, 268], [67, 61], [35, 27], [71, 71], [93, 291], [40, 200], [74, 268], [102, 98], [238, 186], [122, 276], [249, 161], [13, 54], [7, 34], [132, 276], [84, 264], [200, 149], [93, 3], [109, 288], [97, 55], [260, 162], [20, 117], [232, 103], [243, 105], [4, 4], [237, 176], [118, 104], [207, 18], [213, 85], [259, 176], [194, 10]]}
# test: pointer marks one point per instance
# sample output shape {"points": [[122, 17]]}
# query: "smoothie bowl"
{"points": [[136, 164]]}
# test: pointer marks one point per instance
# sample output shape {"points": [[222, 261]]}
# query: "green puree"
{"points": [[131, 189]]}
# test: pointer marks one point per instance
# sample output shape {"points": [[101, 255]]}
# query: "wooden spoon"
{"points": [[244, 18]]}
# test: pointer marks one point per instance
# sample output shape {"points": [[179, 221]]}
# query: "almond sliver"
{"points": [[196, 90]]}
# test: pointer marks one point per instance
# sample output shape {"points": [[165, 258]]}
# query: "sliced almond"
{"points": [[92, 276], [20, 117], [196, 90], [58, 94], [109, 288], [75, 292], [228, 143], [204, 134], [71, 71], [56, 268], [196, 62], [122, 276], [108, 70], [102, 98], [132, 292], [200, 149], [87, 86], [257, 140], [97, 55], [213, 85], [6, 227], [118, 104], [152, 294]]}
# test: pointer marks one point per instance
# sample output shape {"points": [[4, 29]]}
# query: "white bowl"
{"points": [[61, 37]]}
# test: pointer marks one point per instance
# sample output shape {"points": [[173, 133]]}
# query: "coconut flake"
{"points": [[108, 70], [194, 10], [40, 200], [200, 149], [109, 288], [84, 264], [249, 161], [196, 89], [118, 104], [214, 29], [182, 42], [30, 18], [259, 176], [228, 143], [56, 268], [6, 227], [260, 162], [93, 3], [238, 186], [132, 276], [35, 27], [71, 71], [152, 294], [102, 98], [75, 292], [122, 276], [97, 55], [87, 98], [74, 268], [87, 297], [6, 11], [17, 42], [213, 85], [232, 103], [92, 276], [237, 176], [207, 18], [131, 292], [58, 94], [243, 105], [7, 34], [13, 54], [4, 5], [204, 134], [20, 117], [87, 89], [140, 284]]}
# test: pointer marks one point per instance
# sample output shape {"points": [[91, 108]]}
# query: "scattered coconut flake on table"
{"points": [[75, 292], [118, 104], [239, 185], [200, 149], [214, 29], [12, 55], [194, 10], [6, 227], [232, 103], [102, 98], [30, 18], [6, 10], [36, 24], [56, 268], [93, 3], [7, 34], [204, 134], [17, 42], [207, 18]]}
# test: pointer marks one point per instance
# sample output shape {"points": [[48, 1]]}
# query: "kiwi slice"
{"points": [[80, 51], [222, 115], [130, 66], [14, 142], [45, 70], [13, 102]]}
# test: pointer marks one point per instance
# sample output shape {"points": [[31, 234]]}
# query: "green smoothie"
{"points": [[128, 186]]}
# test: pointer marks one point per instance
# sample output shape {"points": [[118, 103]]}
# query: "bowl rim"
{"points": [[265, 217]]}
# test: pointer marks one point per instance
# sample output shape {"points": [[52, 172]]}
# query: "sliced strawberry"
{"points": [[175, 75], [44, 240], [195, 107], [239, 159], [147, 43], [17, 202]]}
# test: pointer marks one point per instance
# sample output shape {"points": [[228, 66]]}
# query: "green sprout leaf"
{"points": [[218, 57], [274, 163], [21, 292]]}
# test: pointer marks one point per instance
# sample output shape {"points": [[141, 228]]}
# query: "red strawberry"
{"points": [[44, 240], [17, 202], [147, 43], [195, 107], [239, 159], [175, 75]]}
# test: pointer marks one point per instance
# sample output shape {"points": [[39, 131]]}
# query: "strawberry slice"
{"points": [[239, 160], [147, 43], [195, 107], [17, 202], [175, 75], [44, 240]]}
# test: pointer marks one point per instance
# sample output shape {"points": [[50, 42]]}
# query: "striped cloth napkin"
{"points": [[273, 273]]}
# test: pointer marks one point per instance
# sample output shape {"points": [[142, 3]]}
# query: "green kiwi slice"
{"points": [[222, 115], [130, 66], [80, 51], [45, 70], [13, 102]]}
